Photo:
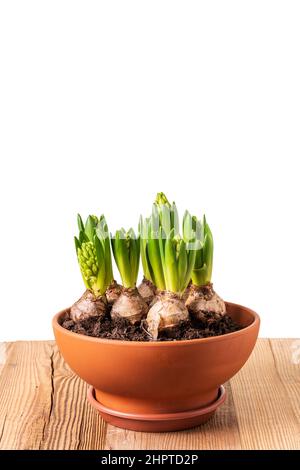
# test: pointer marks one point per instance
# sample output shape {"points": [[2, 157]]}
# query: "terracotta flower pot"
{"points": [[159, 386]]}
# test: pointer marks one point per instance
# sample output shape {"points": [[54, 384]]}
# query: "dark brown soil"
{"points": [[121, 329]]}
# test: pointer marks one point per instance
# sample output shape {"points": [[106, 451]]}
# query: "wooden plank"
{"points": [[25, 401], [73, 424], [286, 354], [42, 404], [266, 415], [221, 432]]}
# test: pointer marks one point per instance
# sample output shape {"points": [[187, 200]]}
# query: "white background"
{"points": [[102, 104]]}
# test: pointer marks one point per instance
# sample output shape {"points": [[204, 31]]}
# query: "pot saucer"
{"points": [[160, 422]]}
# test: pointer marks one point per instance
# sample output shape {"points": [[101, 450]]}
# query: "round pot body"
{"points": [[151, 379]]}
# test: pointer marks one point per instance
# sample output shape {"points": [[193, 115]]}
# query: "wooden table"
{"points": [[43, 405]]}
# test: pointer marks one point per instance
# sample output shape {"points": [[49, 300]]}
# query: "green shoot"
{"points": [[150, 253], [126, 250], [164, 215], [177, 262], [200, 232], [93, 254], [166, 257]]}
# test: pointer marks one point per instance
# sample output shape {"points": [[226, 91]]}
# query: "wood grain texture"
{"points": [[264, 406], [286, 354], [43, 405], [24, 399]]}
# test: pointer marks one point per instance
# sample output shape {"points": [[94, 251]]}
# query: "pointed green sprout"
{"points": [[151, 251], [103, 235], [193, 228], [143, 230], [177, 261], [166, 256], [165, 216], [93, 254], [126, 250]]}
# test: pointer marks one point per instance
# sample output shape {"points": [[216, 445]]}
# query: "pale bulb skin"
{"points": [[113, 292], [88, 306], [166, 313], [129, 305], [203, 299], [147, 290]]}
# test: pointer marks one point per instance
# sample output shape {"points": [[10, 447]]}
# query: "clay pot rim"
{"points": [[180, 415], [160, 344]]}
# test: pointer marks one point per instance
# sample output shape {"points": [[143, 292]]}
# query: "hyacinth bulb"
{"points": [[94, 258], [88, 306], [129, 305], [202, 300], [167, 313]]}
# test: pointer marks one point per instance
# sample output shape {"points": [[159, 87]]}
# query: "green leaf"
{"points": [[174, 219], [99, 251], [156, 264], [202, 272], [191, 255], [182, 265], [93, 253], [134, 255], [154, 223], [143, 248], [90, 226], [125, 250], [208, 251], [187, 227], [103, 235], [160, 199], [77, 243], [83, 238], [165, 219], [80, 223], [162, 243], [171, 266], [199, 258]]}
